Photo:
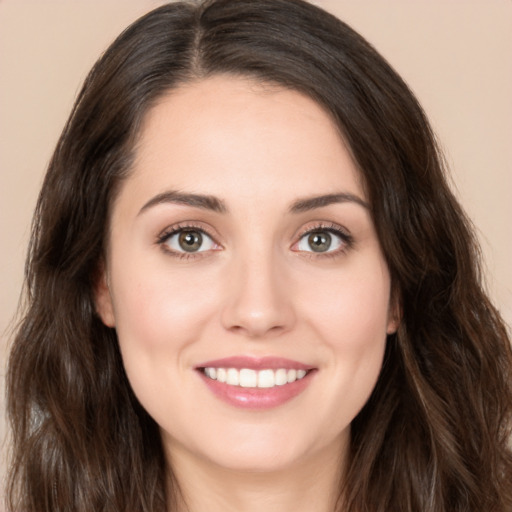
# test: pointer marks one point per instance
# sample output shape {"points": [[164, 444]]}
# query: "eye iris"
{"points": [[319, 242], [190, 241]]}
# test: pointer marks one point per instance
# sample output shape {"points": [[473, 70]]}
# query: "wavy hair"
{"points": [[433, 436]]}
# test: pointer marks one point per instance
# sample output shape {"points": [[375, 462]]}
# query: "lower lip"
{"points": [[257, 398]]}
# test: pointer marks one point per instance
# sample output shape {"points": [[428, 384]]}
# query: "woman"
{"points": [[250, 287]]}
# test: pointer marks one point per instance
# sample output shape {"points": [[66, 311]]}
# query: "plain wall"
{"points": [[456, 56]]}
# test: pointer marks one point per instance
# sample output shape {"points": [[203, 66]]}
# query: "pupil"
{"points": [[319, 242], [190, 241]]}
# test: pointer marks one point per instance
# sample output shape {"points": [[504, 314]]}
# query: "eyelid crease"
{"points": [[168, 232], [185, 226], [329, 227], [319, 226], [325, 226]]}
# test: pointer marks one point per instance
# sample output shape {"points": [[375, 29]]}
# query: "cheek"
{"points": [[159, 314], [351, 307], [349, 314], [159, 310]]}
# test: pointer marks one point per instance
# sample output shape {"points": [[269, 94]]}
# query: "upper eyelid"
{"points": [[324, 226], [173, 230], [334, 228], [210, 232], [184, 226]]}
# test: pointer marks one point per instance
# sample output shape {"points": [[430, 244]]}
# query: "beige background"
{"points": [[455, 54]]}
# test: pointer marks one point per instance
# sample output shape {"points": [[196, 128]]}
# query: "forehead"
{"points": [[234, 137]]}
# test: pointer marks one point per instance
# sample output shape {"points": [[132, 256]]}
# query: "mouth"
{"points": [[256, 383], [249, 378]]}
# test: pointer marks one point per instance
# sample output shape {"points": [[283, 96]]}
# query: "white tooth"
{"points": [[210, 372], [221, 374], [266, 379], [281, 377], [232, 377], [248, 378], [291, 376], [300, 374]]}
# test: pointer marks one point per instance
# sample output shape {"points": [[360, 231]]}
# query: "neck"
{"points": [[311, 484]]}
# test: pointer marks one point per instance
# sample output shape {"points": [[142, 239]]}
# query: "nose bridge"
{"points": [[258, 301]]}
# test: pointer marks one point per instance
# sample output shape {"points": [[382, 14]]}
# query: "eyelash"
{"points": [[163, 238], [334, 229]]}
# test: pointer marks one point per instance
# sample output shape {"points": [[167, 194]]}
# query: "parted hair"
{"points": [[434, 435]]}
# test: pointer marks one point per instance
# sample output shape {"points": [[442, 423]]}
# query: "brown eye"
{"points": [[319, 241], [190, 241], [324, 240]]}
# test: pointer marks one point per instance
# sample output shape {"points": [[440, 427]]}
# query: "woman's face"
{"points": [[242, 249]]}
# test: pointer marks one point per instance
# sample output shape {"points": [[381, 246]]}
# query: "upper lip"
{"points": [[255, 363]]}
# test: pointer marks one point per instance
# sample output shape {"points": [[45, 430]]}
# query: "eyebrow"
{"points": [[212, 203], [311, 203], [195, 200]]}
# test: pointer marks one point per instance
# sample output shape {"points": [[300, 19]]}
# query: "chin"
{"points": [[258, 450], [257, 461]]}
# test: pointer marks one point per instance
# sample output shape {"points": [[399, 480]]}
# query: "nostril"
{"points": [[257, 301]]}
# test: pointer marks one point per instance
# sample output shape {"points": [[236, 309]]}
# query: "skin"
{"points": [[257, 288]]}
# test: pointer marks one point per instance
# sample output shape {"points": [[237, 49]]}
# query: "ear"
{"points": [[394, 314], [103, 298]]}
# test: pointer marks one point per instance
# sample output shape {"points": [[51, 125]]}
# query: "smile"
{"points": [[249, 378], [256, 383]]}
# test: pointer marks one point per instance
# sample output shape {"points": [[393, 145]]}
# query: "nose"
{"points": [[259, 302]]}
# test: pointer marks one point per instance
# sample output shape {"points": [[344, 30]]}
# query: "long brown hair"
{"points": [[434, 435]]}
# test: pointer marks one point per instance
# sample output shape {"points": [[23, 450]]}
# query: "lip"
{"points": [[255, 363], [256, 398]]}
